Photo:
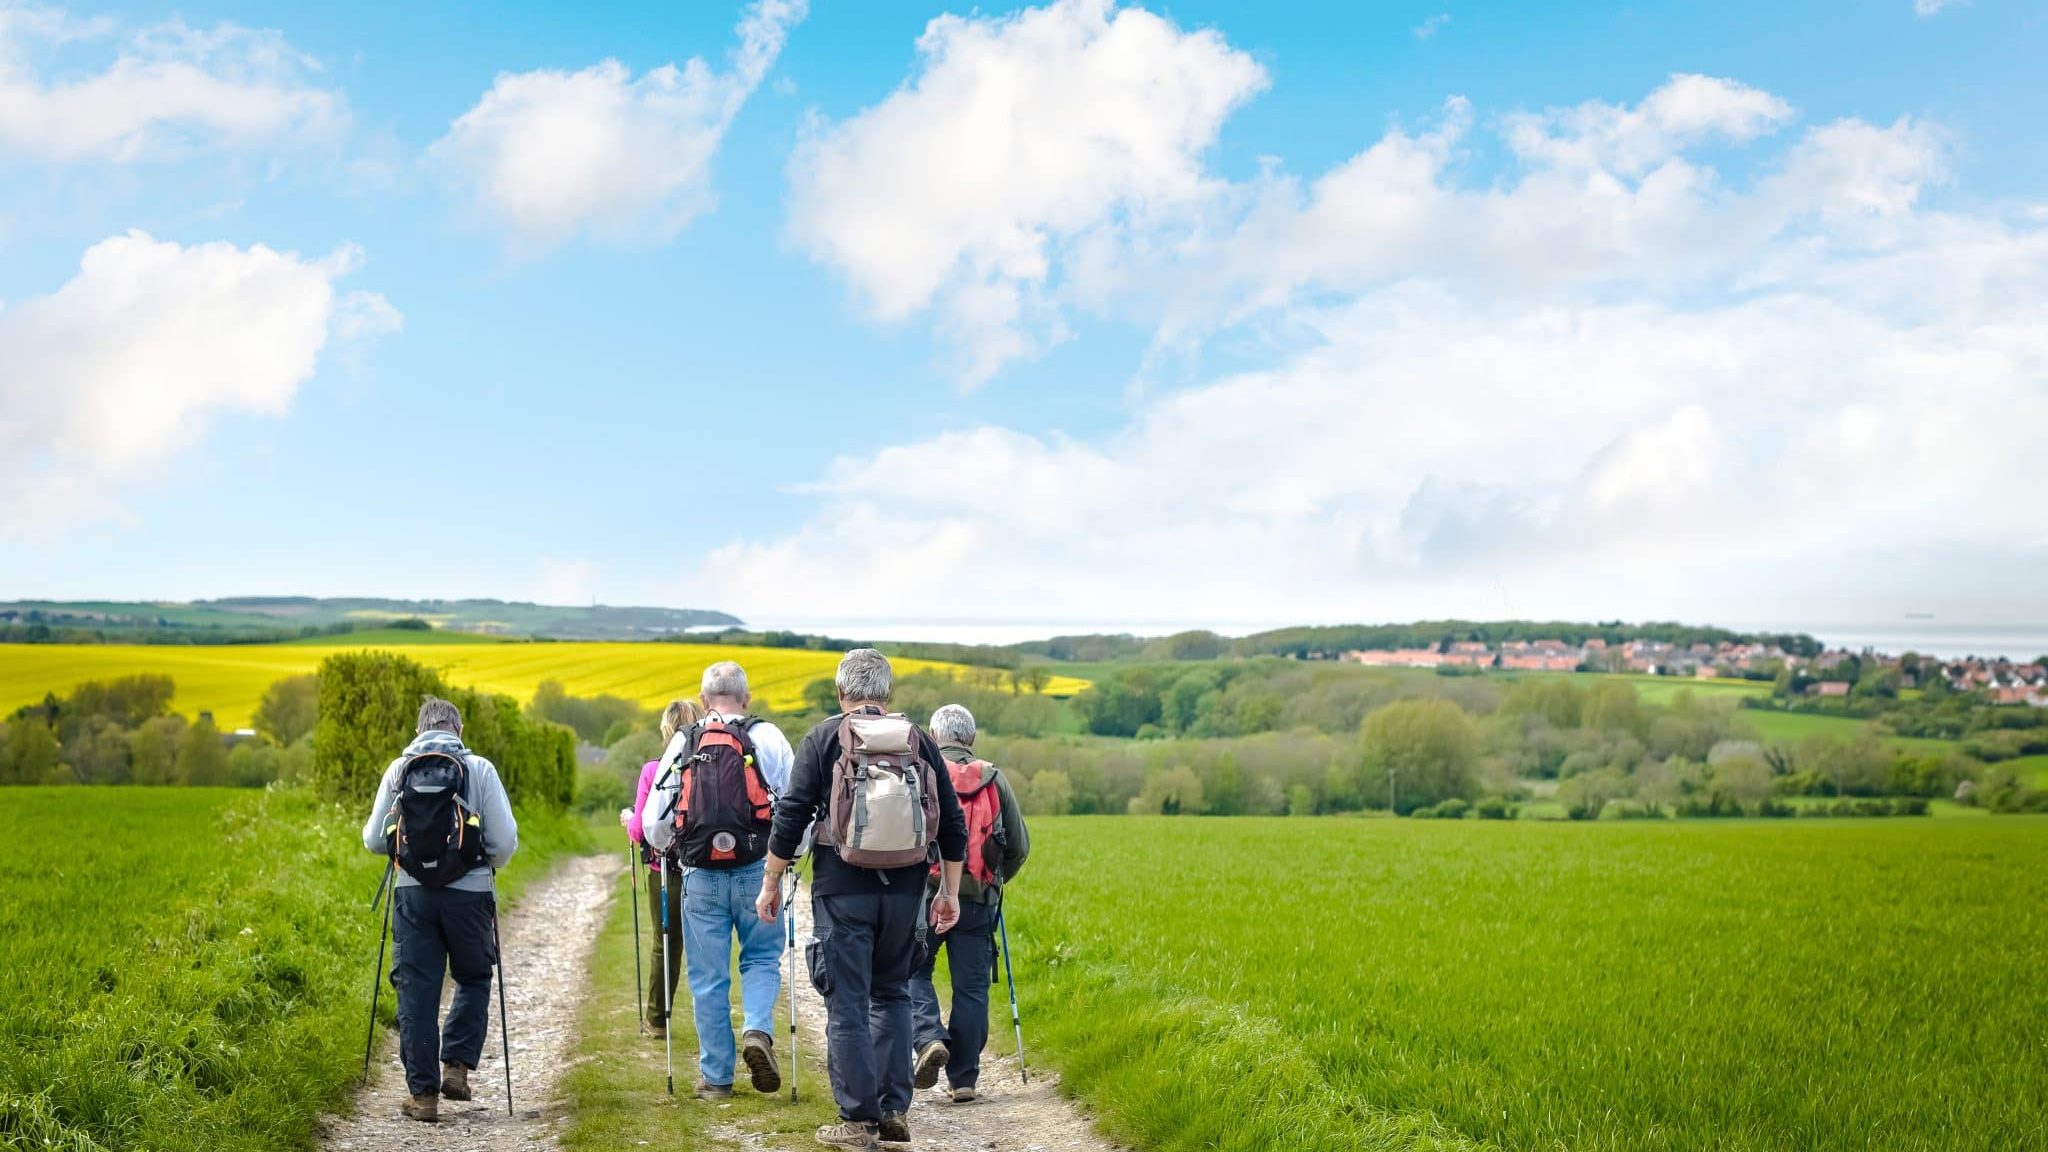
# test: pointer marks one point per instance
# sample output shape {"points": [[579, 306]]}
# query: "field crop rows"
{"points": [[229, 680], [1759, 985]]}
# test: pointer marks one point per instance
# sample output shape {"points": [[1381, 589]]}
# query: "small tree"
{"points": [[31, 752], [202, 758], [1429, 745], [154, 750], [290, 708], [1050, 793]]}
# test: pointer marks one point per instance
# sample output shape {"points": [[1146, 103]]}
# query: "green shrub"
{"points": [[1495, 808]]}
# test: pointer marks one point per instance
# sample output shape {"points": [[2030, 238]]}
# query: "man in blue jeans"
{"points": [[718, 905]]}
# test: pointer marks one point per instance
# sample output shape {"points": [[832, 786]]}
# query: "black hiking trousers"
{"points": [[437, 932], [971, 951], [860, 963]]}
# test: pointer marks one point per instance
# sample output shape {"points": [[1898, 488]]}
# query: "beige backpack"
{"points": [[883, 809]]}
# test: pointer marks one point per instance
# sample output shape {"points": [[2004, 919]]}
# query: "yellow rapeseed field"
{"points": [[228, 680]]}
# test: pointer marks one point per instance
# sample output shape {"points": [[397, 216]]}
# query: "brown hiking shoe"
{"points": [[848, 1134], [426, 1109], [706, 1090], [454, 1082], [931, 1060], [964, 1094], [895, 1128], [758, 1050]]}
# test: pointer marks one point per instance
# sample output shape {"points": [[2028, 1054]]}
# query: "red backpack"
{"points": [[722, 809], [982, 804]]}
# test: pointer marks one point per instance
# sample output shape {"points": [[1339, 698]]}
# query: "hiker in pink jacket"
{"points": [[679, 715]]}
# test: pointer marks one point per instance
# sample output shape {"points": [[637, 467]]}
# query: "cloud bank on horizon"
{"points": [[1691, 352], [1610, 372]]}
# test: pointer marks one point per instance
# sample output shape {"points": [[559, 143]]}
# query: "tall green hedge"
{"points": [[370, 702]]}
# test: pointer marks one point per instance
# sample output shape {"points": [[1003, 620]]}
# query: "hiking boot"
{"points": [[895, 1129], [426, 1109], [657, 1029], [758, 1050], [931, 1060], [454, 1082], [964, 1094], [706, 1090], [848, 1134]]}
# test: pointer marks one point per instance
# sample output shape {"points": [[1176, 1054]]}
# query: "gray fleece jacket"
{"points": [[485, 796]]}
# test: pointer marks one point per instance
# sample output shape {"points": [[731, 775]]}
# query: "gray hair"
{"points": [[953, 724], [679, 714], [725, 678], [438, 715], [864, 676]]}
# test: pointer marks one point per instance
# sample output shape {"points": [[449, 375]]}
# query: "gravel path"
{"points": [[1010, 1116], [547, 938]]}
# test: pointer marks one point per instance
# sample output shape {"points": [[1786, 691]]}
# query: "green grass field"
{"points": [[229, 680], [188, 968], [1795, 985]]}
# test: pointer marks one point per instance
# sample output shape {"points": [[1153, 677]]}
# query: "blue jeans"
{"points": [[718, 905]]}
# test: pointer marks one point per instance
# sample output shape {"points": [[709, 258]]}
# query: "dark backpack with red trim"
{"points": [[723, 810], [431, 832]]}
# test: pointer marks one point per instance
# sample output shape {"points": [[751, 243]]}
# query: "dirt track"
{"points": [[547, 938], [1010, 1116]]}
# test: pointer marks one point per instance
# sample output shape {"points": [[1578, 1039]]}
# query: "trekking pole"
{"points": [[789, 918], [377, 973], [1016, 1021], [504, 1028], [668, 990], [639, 984]]}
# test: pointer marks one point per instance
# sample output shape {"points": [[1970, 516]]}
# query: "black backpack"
{"points": [[432, 833], [722, 810]]}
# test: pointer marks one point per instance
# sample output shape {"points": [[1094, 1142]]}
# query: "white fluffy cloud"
{"points": [[552, 154], [1606, 381], [112, 376], [169, 90], [1925, 8], [1019, 140]]}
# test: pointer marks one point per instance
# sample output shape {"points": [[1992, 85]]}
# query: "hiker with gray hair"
{"points": [[712, 816], [997, 845], [441, 927], [883, 804]]}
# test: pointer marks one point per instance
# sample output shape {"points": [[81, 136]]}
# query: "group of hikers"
{"points": [[911, 838]]}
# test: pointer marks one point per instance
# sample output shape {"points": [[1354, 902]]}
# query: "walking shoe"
{"points": [[895, 1129], [657, 1029], [706, 1090], [931, 1060], [848, 1134], [758, 1050], [454, 1081], [964, 1094], [426, 1109]]}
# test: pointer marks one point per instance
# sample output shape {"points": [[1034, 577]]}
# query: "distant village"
{"points": [[1831, 673]]}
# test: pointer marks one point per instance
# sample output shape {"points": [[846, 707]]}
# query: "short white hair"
{"points": [[864, 675], [725, 678], [953, 724]]}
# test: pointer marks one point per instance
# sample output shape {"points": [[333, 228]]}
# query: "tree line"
{"points": [[334, 730]]}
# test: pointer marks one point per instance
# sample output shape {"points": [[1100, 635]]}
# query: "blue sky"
{"points": [[1198, 313]]}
